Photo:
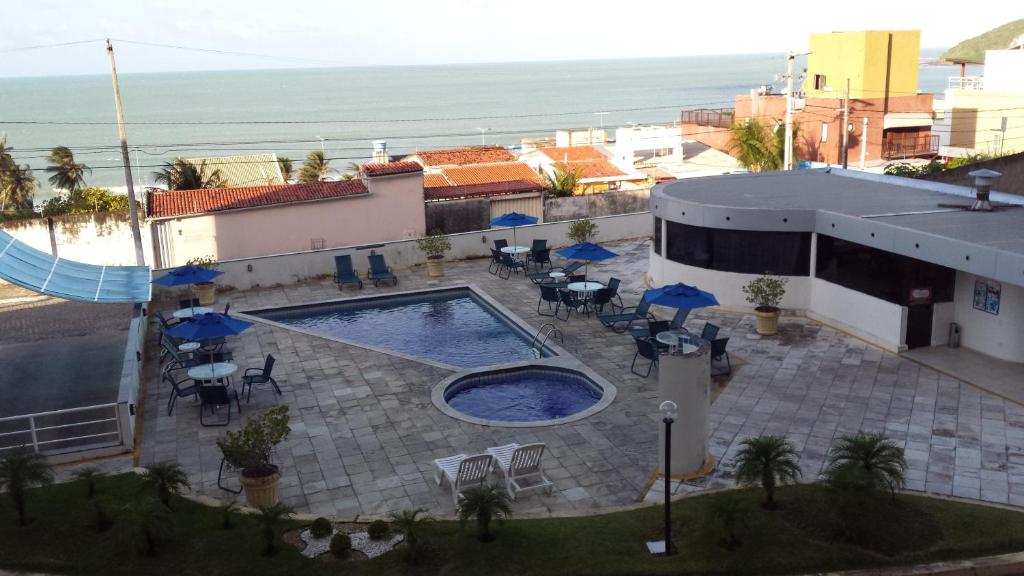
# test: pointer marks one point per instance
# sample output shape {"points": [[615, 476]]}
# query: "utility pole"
{"points": [[133, 209], [787, 158], [846, 124], [864, 143]]}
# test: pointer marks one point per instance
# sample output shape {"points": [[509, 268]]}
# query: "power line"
{"points": [[42, 46]]}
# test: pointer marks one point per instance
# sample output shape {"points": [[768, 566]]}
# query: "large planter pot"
{"points": [[767, 320], [262, 490], [206, 292], [435, 266]]}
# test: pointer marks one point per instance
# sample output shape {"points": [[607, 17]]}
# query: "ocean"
{"points": [[288, 111]]}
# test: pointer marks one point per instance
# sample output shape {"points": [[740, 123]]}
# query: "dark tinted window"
{"points": [[881, 274], [657, 235], [744, 251]]}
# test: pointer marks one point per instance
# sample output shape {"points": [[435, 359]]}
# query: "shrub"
{"points": [[271, 519], [208, 262], [321, 528], [485, 503], [582, 230], [727, 509], [766, 292], [250, 449], [341, 545], [378, 529], [20, 470], [88, 477], [166, 479], [434, 246], [767, 460], [410, 523]]}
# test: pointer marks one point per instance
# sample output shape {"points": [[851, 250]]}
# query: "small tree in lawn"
{"points": [[582, 230], [485, 503], [166, 479], [20, 470], [866, 463], [88, 476], [767, 460], [271, 519], [151, 522], [410, 523], [727, 509]]}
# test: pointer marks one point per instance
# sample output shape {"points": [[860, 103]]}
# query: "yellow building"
{"points": [[982, 115], [878, 63]]}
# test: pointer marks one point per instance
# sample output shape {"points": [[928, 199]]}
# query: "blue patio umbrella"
{"points": [[587, 251], [513, 220], [680, 296], [188, 274], [208, 326]]}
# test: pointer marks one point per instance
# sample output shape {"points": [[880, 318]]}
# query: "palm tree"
{"points": [[409, 522], [181, 175], [866, 462], [270, 519], [19, 470], [485, 503], [767, 460], [755, 146], [88, 476], [286, 167], [315, 168], [152, 523], [66, 173], [562, 181], [18, 187], [167, 479], [6, 160], [727, 508]]}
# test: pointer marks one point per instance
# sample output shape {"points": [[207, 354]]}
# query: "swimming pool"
{"points": [[453, 327]]}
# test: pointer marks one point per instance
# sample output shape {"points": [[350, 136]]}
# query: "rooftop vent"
{"points": [[983, 180]]}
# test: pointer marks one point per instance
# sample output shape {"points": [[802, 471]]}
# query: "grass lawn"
{"points": [[800, 536]]}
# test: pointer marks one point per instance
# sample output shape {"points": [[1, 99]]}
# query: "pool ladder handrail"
{"points": [[552, 331]]}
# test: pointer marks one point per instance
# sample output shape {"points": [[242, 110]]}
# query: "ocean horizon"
{"points": [[289, 110]]}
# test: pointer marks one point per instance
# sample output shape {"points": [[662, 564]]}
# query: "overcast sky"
{"points": [[447, 31]]}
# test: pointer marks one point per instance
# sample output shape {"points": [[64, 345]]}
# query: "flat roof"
{"points": [[893, 213]]}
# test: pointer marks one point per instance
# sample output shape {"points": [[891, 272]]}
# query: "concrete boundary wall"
{"points": [[280, 269]]}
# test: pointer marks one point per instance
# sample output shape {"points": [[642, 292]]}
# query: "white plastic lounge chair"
{"points": [[521, 466], [463, 472]]}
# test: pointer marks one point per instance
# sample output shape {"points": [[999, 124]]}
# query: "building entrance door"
{"points": [[919, 324]]}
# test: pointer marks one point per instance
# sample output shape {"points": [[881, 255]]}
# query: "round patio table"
{"points": [[676, 340], [215, 371], [556, 275], [191, 311], [584, 291], [189, 346]]}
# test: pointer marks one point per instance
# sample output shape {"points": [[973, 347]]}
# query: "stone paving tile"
{"points": [[365, 431]]}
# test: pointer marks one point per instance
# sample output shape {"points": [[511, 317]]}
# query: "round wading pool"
{"points": [[523, 396]]}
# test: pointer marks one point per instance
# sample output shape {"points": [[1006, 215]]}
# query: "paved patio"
{"points": [[365, 433]]}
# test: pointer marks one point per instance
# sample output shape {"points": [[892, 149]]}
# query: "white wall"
{"points": [[867, 317], [299, 266], [727, 286], [1002, 335], [1004, 70], [942, 314], [104, 240]]}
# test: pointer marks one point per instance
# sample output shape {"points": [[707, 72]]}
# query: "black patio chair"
{"points": [[570, 303], [214, 397], [675, 324], [188, 303], [500, 243], [626, 316], [613, 287], [550, 295], [164, 322], [495, 266], [344, 273], [540, 258], [540, 277], [710, 332], [227, 308], [178, 391], [645, 348], [539, 244], [257, 376], [576, 278], [379, 271], [510, 265], [720, 354]]}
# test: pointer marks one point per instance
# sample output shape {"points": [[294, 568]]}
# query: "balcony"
{"points": [[966, 83], [714, 118], [899, 145]]}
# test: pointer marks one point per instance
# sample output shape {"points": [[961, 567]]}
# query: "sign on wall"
{"points": [[986, 295]]}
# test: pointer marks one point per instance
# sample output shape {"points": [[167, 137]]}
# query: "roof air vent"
{"points": [[983, 180]]}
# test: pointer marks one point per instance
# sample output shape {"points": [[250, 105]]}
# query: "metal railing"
{"points": [[715, 118], [60, 431], [909, 145], [966, 83]]}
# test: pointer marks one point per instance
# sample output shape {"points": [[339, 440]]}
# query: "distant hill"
{"points": [[972, 50]]}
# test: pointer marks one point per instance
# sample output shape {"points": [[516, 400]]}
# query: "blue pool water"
{"points": [[451, 326], [523, 395]]}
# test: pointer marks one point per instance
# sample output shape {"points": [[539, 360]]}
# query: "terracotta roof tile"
{"points": [[174, 203], [573, 153], [435, 181], [485, 173], [391, 168], [590, 161], [462, 156]]}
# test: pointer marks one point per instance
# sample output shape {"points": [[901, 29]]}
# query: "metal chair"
{"points": [[214, 397], [719, 353], [540, 258], [177, 390], [570, 302], [495, 266], [510, 265], [500, 243], [647, 349], [710, 332], [254, 376], [550, 295], [188, 303]]}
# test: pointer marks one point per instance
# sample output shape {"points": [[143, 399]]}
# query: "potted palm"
{"points": [[250, 451], [765, 293], [205, 291], [435, 247]]}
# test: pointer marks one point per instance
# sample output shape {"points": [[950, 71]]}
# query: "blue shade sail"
{"points": [[41, 272]]}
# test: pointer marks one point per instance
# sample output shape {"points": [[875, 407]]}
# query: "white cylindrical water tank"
{"points": [[684, 377]]}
